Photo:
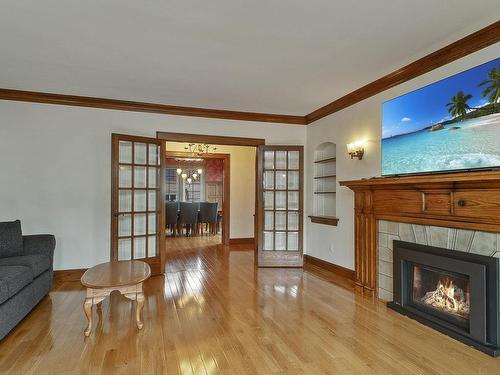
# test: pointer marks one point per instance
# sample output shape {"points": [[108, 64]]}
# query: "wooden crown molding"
{"points": [[126, 105], [454, 51]]}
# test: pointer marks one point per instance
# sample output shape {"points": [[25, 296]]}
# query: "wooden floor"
{"points": [[214, 313]]}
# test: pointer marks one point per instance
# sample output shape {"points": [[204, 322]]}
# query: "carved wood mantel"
{"points": [[469, 200]]}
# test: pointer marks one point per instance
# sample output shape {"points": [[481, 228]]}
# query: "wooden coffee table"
{"points": [[124, 276]]}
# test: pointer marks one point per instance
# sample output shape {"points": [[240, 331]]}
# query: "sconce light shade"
{"points": [[179, 171], [189, 180], [356, 149], [200, 171], [184, 175], [195, 175]]}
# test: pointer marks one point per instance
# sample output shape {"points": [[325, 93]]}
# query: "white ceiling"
{"points": [[288, 56]]}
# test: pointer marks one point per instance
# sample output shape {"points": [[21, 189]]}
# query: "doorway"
{"points": [[136, 175], [197, 195]]}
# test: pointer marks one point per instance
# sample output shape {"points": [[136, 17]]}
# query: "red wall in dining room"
{"points": [[214, 169]]}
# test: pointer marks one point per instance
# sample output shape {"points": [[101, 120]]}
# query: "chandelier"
{"points": [[189, 175], [199, 148]]}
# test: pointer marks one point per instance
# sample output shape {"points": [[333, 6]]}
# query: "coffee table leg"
{"points": [[140, 305], [87, 307]]}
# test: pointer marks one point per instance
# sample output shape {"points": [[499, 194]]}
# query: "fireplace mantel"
{"points": [[469, 200]]}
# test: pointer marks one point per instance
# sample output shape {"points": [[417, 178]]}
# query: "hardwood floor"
{"points": [[213, 313]]}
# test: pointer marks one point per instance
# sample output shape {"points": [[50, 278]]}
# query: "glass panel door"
{"points": [[280, 203], [136, 207]]}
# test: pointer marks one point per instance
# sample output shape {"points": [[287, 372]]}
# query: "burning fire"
{"points": [[449, 298]]}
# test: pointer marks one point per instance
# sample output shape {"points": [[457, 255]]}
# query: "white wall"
{"points": [[242, 186], [55, 168], [361, 121]]}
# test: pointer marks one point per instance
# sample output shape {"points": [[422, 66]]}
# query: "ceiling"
{"points": [[287, 57]]}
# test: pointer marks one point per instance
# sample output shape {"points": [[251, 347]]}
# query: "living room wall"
{"points": [[56, 160], [361, 121]]}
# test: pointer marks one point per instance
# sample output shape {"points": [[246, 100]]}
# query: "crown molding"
{"points": [[454, 51], [126, 105]]}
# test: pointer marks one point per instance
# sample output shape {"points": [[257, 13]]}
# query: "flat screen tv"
{"points": [[450, 125]]}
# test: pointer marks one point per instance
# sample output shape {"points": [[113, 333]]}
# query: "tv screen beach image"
{"points": [[452, 124]]}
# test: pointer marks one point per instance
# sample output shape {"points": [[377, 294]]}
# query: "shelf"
{"points": [[327, 220], [325, 192], [328, 160], [329, 176]]}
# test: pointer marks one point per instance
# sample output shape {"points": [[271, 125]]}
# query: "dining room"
{"points": [[204, 185]]}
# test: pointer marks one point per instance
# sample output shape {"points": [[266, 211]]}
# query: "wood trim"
{"points": [[226, 200], [210, 139], [434, 179], [184, 154], [242, 241], [161, 200], [62, 276], [454, 51], [327, 220], [471, 43], [330, 267], [133, 106]]}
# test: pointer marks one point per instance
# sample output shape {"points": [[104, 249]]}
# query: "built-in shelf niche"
{"points": [[325, 184]]}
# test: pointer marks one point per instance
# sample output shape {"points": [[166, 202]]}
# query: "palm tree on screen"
{"points": [[458, 105], [493, 89]]}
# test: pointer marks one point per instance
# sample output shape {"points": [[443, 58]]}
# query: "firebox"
{"points": [[453, 292]]}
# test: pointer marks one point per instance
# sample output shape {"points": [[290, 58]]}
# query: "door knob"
{"points": [[461, 203]]}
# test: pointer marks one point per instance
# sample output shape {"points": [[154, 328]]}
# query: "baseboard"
{"points": [[330, 267], [242, 241], [69, 275]]}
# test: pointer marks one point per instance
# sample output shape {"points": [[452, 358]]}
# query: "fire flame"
{"points": [[448, 297]]}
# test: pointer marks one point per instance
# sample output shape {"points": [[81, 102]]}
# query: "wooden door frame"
{"points": [[210, 139], [226, 204], [219, 140]]}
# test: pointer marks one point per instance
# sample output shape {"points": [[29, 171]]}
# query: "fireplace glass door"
{"points": [[441, 293]]}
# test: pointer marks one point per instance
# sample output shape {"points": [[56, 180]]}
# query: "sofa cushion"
{"points": [[11, 239], [37, 263], [12, 280]]}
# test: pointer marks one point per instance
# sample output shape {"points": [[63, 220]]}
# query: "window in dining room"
{"points": [[172, 185], [192, 190]]}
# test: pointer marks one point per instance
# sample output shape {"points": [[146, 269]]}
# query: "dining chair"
{"points": [[208, 216], [188, 216], [172, 216]]}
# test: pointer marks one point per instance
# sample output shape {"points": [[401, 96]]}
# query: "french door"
{"points": [[137, 212], [279, 229]]}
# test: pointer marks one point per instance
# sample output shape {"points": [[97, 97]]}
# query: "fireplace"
{"points": [[454, 292]]}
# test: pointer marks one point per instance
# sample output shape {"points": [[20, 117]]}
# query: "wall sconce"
{"points": [[184, 175], [179, 171], [200, 171], [356, 149]]}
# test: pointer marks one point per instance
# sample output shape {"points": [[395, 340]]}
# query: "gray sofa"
{"points": [[25, 273]]}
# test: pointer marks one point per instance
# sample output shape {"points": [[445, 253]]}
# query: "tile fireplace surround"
{"points": [[471, 241]]}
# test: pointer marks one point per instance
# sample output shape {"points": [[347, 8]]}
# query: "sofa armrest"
{"points": [[40, 244]]}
